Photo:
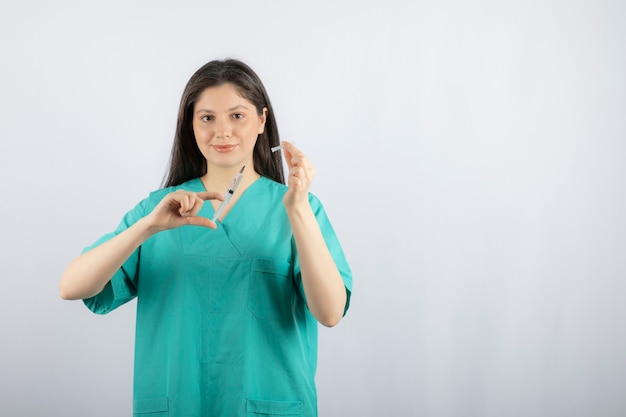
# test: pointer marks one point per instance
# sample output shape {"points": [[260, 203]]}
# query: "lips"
{"points": [[224, 148]]}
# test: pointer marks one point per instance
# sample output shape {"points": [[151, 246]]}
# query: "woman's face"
{"points": [[226, 126]]}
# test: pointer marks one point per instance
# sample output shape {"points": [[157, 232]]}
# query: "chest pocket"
{"points": [[272, 294], [154, 407], [273, 408]]}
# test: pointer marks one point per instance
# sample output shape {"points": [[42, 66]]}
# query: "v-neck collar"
{"points": [[244, 219], [200, 188]]}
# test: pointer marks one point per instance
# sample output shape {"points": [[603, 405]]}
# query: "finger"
{"points": [[288, 157], [210, 195], [292, 154], [297, 178], [200, 221], [190, 204], [196, 205], [288, 146], [301, 161], [298, 172], [184, 204]]}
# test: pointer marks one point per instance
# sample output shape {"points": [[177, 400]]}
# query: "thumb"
{"points": [[199, 221], [210, 195]]}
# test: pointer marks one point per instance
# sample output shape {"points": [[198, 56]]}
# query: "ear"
{"points": [[262, 120]]}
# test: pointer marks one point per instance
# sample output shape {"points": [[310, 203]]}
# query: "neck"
{"points": [[219, 178]]}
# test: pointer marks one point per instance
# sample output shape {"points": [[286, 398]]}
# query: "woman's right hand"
{"points": [[88, 274], [181, 208]]}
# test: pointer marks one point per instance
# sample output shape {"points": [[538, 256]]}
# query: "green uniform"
{"points": [[222, 323]]}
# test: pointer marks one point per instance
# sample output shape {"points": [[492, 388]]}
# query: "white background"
{"points": [[470, 155]]}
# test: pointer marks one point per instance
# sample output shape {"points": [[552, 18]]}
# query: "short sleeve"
{"points": [[334, 247], [123, 285]]}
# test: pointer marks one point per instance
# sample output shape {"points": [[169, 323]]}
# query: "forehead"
{"points": [[223, 95]]}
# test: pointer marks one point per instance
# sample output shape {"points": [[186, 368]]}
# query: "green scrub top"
{"points": [[222, 324]]}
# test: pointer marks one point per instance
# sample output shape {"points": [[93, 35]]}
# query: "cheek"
{"points": [[199, 133], [194, 130], [251, 143]]}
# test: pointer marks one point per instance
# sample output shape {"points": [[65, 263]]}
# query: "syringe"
{"points": [[229, 193], [278, 147]]}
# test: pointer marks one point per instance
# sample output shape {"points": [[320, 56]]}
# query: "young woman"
{"points": [[227, 310]]}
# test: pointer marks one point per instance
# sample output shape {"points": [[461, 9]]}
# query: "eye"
{"points": [[238, 116], [206, 118]]}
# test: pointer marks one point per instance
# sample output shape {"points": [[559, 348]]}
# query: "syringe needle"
{"points": [[228, 194]]}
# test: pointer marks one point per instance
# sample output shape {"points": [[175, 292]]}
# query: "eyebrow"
{"points": [[238, 106]]}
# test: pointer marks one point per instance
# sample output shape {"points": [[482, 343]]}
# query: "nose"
{"points": [[222, 128]]}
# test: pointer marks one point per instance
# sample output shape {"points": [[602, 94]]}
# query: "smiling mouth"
{"points": [[224, 148]]}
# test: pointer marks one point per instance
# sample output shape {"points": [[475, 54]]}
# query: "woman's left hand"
{"points": [[323, 285], [300, 177]]}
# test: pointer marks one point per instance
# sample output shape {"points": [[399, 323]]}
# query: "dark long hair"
{"points": [[186, 160]]}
